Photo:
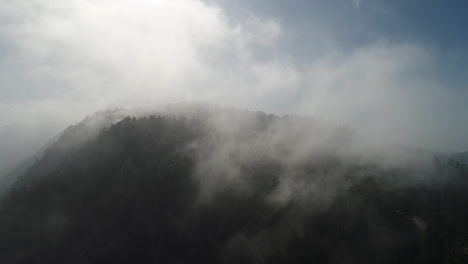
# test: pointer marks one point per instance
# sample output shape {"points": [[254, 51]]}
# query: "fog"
{"points": [[204, 183], [223, 131], [311, 156], [63, 60]]}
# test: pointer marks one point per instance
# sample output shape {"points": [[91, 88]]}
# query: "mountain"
{"points": [[206, 184], [59, 146]]}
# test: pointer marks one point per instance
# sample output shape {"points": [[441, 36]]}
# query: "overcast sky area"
{"points": [[393, 70]]}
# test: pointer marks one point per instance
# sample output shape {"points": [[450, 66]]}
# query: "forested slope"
{"points": [[233, 187]]}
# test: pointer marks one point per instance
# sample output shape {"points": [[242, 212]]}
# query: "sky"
{"points": [[392, 70]]}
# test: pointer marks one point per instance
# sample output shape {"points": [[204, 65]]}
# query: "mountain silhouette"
{"points": [[210, 184]]}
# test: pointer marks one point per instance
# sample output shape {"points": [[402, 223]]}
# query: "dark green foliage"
{"points": [[130, 196]]}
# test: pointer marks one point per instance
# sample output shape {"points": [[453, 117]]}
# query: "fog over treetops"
{"points": [[197, 183], [224, 131]]}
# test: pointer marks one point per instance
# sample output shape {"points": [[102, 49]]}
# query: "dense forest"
{"points": [[219, 185]]}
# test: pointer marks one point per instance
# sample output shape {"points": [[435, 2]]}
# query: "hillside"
{"points": [[219, 185]]}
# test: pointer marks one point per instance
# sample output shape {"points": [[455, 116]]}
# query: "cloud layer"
{"points": [[62, 60]]}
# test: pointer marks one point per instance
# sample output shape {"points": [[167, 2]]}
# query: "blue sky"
{"points": [[392, 70], [439, 25], [357, 22]]}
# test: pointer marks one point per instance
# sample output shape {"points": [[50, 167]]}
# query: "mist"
{"points": [[198, 183], [223, 131]]}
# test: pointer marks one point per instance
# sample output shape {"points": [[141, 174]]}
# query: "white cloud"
{"points": [[389, 92], [93, 54], [133, 49], [69, 58]]}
